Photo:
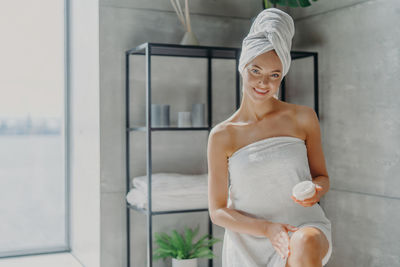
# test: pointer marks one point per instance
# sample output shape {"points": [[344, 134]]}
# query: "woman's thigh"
{"points": [[314, 236]]}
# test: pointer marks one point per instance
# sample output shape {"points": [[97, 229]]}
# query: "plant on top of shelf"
{"points": [[182, 248], [290, 3], [189, 38]]}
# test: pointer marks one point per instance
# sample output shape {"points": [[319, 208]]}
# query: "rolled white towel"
{"points": [[273, 29]]}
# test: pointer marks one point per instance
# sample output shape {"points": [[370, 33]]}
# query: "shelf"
{"points": [[169, 128], [177, 50], [163, 212], [150, 49]]}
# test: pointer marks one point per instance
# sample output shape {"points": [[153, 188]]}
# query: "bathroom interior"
{"points": [[81, 112]]}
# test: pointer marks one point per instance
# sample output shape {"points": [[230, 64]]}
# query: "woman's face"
{"points": [[263, 73]]}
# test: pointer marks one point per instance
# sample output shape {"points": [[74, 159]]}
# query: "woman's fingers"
{"points": [[282, 252], [285, 243], [291, 228], [306, 203], [281, 247], [278, 248], [285, 238]]}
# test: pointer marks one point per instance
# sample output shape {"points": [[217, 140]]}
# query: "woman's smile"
{"points": [[260, 92]]}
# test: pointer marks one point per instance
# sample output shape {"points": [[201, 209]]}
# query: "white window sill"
{"points": [[45, 260]]}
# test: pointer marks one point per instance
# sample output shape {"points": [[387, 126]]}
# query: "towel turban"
{"points": [[272, 29]]}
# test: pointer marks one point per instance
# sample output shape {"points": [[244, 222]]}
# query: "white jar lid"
{"points": [[303, 190]]}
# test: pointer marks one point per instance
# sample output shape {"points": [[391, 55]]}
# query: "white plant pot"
{"points": [[184, 262]]}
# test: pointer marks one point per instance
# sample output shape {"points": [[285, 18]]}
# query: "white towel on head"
{"points": [[273, 29]]}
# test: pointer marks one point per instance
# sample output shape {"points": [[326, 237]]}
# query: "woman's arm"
{"points": [[308, 120], [234, 220]]}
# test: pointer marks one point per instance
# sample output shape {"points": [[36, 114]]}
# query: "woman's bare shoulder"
{"points": [[306, 117], [221, 135], [304, 113], [221, 130]]}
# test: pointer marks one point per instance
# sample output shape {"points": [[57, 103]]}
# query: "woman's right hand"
{"points": [[277, 233]]}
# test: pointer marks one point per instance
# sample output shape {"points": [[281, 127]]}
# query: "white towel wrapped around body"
{"points": [[262, 175]]}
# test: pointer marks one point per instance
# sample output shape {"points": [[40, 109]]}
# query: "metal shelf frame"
{"points": [[149, 49]]}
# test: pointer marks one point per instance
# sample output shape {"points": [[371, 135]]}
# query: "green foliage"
{"points": [[181, 246], [290, 3]]}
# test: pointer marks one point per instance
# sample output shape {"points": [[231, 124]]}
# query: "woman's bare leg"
{"points": [[308, 246]]}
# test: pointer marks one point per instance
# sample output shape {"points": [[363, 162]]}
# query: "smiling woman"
{"points": [[261, 79], [256, 157]]}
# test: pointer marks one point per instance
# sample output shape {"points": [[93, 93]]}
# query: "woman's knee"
{"points": [[306, 242]]}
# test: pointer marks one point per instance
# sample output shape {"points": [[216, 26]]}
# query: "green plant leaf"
{"points": [[291, 3], [203, 252], [180, 255], [304, 3], [166, 251], [267, 4], [180, 244], [163, 253], [188, 239], [213, 241], [200, 242], [166, 237], [162, 242]]}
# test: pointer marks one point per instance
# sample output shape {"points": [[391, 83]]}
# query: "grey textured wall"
{"points": [[358, 93], [359, 67]]}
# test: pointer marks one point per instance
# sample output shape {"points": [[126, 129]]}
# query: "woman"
{"points": [[265, 148]]}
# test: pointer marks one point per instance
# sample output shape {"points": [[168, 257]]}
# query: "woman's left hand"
{"points": [[312, 200]]}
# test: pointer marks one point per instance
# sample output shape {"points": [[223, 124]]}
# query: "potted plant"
{"points": [[182, 249], [291, 3], [189, 38]]}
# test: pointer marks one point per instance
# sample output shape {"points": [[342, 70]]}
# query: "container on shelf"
{"points": [[164, 121], [184, 119], [198, 116], [155, 115]]}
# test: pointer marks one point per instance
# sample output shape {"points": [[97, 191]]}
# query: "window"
{"points": [[33, 119]]}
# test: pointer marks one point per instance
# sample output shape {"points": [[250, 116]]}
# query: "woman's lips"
{"points": [[260, 92]]}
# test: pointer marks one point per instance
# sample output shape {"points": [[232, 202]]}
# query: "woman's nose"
{"points": [[264, 80]]}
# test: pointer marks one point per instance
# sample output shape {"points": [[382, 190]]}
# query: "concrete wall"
{"points": [[357, 90], [359, 66]]}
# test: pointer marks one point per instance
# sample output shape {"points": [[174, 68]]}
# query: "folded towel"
{"points": [[162, 202], [170, 191], [173, 183]]}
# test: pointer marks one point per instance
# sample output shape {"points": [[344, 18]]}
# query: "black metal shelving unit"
{"points": [[162, 49]]}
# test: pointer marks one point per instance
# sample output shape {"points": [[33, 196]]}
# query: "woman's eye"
{"points": [[255, 71], [277, 75]]}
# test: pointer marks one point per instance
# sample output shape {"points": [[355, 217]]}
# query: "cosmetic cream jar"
{"points": [[303, 190]]}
